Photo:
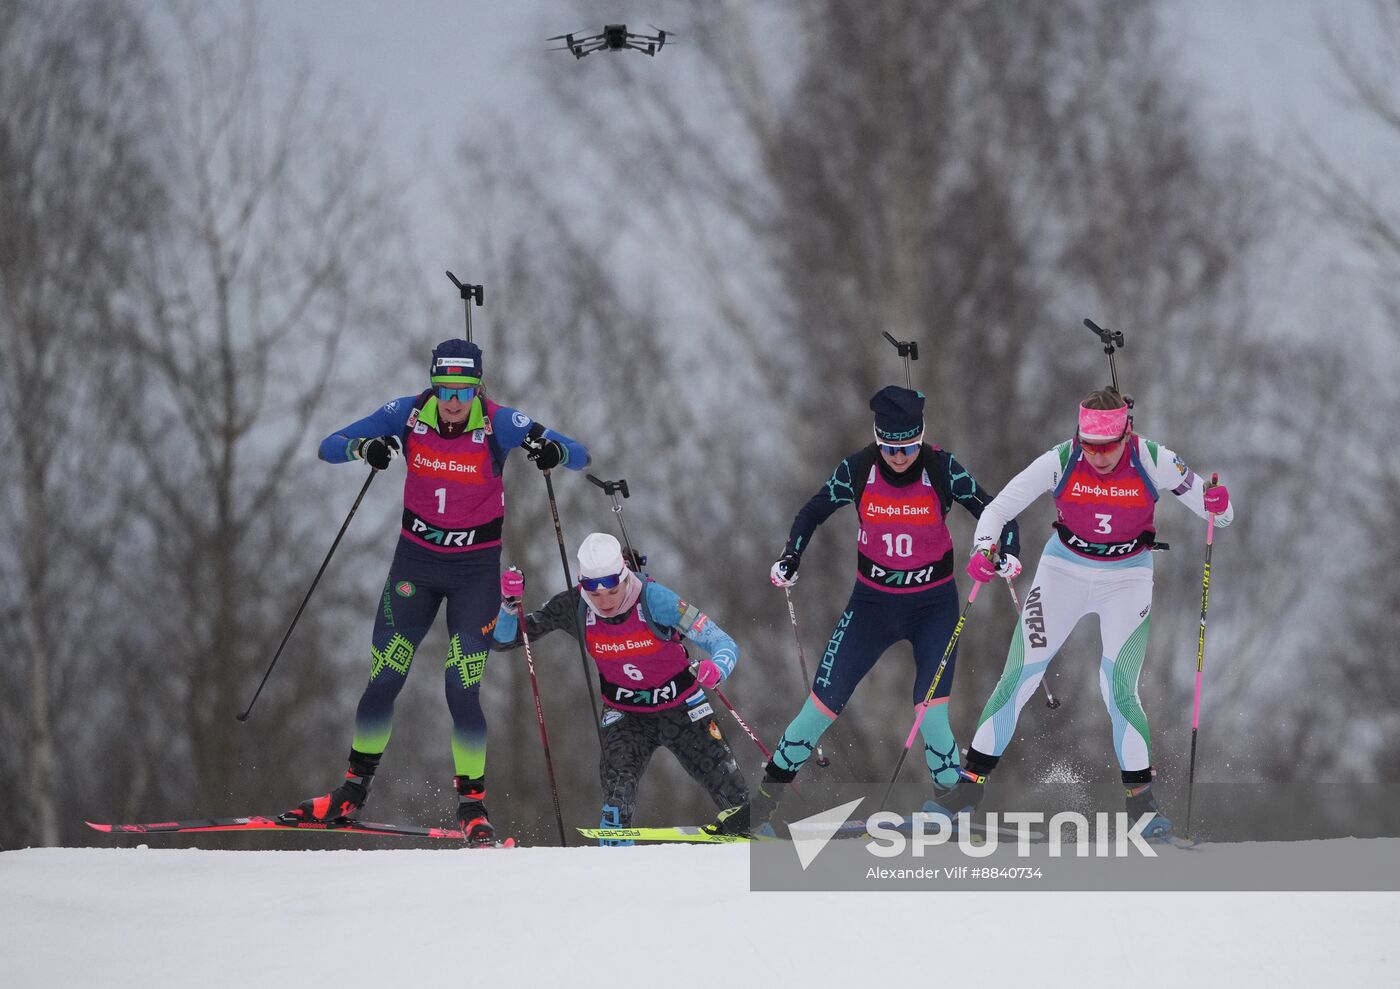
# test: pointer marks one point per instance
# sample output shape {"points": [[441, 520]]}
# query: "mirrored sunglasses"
{"points": [[600, 583], [1101, 447], [908, 449], [447, 393]]}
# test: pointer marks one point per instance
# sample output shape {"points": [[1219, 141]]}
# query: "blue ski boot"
{"points": [[1140, 801], [612, 819]]}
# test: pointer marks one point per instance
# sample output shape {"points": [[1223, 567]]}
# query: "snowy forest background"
{"points": [[207, 264]]}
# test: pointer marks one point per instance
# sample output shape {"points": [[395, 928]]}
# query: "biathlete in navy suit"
{"points": [[903, 489], [455, 442]]}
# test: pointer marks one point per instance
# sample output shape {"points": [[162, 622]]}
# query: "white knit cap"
{"points": [[600, 555]]}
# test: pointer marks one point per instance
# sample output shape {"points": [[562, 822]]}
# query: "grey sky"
{"points": [[429, 68]]}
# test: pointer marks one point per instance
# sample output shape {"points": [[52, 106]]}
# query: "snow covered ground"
{"points": [[665, 915]]}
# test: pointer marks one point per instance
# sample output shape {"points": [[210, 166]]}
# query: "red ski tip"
{"points": [[98, 827]]}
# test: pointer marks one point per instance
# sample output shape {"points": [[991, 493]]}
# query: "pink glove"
{"points": [[1217, 499], [980, 568], [512, 584], [708, 674]]}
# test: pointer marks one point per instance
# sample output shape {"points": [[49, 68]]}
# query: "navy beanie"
{"points": [[456, 362], [899, 414]]}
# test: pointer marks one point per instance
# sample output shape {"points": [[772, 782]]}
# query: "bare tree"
{"points": [[1352, 683], [277, 250], [77, 186], [977, 176]]}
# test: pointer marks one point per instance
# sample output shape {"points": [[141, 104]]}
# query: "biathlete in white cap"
{"points": [[632, 628], [1098, 561], [903, 489]]}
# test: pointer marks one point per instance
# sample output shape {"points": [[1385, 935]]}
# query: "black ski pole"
{"points": [[909, 350], [569, 582], [539, 719], [822, 760], [1050, 701], [470, 294], [295, 618]]}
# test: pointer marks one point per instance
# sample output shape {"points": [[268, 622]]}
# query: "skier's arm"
{"points": [[666, 608], [839, 490], [390, 419], [1041, 476], [968, 494], [559, 613], [513, 428], [1170, 473]]}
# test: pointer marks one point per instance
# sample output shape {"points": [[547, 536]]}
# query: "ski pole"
{"points": [[821, 758], [739, 719], [470, 294], [909, 350], [295, 618], [928, 698], [539, 719], [1050, 701], [569, 582], [741, 722], [1200, 657]]}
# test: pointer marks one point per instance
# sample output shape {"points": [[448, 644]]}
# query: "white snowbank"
{"points": [[623, 917]]}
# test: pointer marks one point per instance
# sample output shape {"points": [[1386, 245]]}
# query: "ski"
{"points": [[857, 829], [686, 834], [344, 825], [1175, 841]]}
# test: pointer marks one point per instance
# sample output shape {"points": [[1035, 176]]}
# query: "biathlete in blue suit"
{"points": [[454, 442], [636, 632], [903, 489]]}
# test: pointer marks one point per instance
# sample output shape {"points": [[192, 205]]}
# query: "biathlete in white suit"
{"points": [[1098, 561]]}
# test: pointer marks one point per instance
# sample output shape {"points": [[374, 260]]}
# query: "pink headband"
{"points": [[1102, 425]]}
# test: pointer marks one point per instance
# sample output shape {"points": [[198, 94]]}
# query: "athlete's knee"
{"points": [[466, 661], [391, 657], [826, 701]]}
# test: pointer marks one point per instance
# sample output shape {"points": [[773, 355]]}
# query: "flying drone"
{"points": [[614, 38]]}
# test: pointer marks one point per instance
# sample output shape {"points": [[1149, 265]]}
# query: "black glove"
{"points": [[544, 454], [549, 456], [377, 451]]}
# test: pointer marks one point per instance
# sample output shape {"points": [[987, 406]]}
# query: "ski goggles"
{"points": [[908, 449], [1101, 447], [601, 583], [447, 393]]}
